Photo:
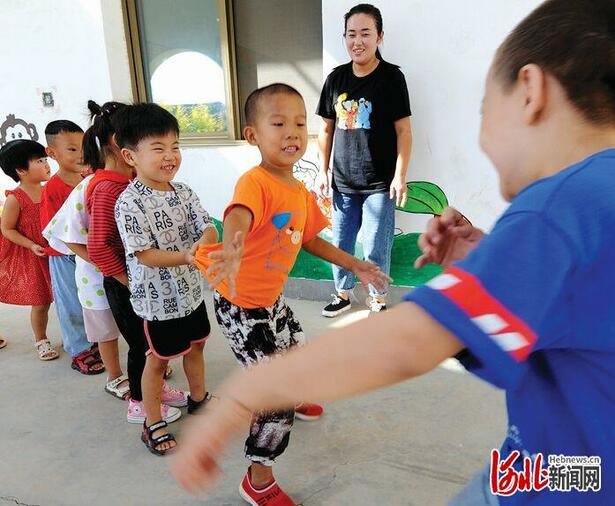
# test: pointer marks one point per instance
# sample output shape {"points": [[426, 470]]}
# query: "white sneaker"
{"points": [[375, 305], [136, 412]]}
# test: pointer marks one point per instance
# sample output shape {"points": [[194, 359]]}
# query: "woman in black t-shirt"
{"points": [[365, 113]]}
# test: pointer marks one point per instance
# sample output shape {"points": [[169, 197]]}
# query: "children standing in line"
{"points": [[529, 304], [64, 146], [105, 250], [67, 233], [277, 216], [161, 223], [24, 269]]}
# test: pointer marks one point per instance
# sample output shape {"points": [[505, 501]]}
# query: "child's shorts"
{"points": [[255, 334], [168, 339], [100, 326]]}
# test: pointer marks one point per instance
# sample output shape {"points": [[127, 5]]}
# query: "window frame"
{"points": [[229, 67]]}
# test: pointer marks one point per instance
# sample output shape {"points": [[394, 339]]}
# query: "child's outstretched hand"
{"points": [[189, 256], [370, 274], [225, 265], [38, 250], [195, 465], [448, 238]]}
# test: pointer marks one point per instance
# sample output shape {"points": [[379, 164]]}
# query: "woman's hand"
{"points": [[322, 184], [399, 192], [449, 238]]}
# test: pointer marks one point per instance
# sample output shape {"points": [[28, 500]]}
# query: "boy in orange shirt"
{"points": [[277, 216]]}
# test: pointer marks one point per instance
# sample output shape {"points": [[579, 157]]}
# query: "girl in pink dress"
{"points": [[24, 271]]}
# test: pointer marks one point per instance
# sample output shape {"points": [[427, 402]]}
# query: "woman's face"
{"points": [[362, 38]]}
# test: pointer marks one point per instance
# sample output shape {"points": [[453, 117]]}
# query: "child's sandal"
{"points": [[194, 406], [121, 392], [45, 350], [152, 442], [86, 363]]}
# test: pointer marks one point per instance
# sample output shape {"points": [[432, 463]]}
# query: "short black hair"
{"points": [[60, 126], [17, 154], [573, 41], [136, 122], [251, 108]]}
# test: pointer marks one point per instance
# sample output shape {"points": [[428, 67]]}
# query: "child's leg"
{"points": [[39, 317], [194, 367], [151, 385], [131, 327], [68, 307], [101, 329], [254, 335], [110, 354]]}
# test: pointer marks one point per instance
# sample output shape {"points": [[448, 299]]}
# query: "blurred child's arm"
{"points": [[8, 224], [226, 261], [382, 350], [366, 272], [80, 250]]}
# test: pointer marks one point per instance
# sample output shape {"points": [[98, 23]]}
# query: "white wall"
{"points": [[53, 46], [444, 48]]}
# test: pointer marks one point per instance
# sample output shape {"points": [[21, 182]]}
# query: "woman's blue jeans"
{"points": [[374, 213]]}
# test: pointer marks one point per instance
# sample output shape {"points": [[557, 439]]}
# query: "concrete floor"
{"points": [[63, 441]]}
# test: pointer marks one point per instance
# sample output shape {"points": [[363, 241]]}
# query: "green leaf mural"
{"points": [[405, 252], [424, 198]]}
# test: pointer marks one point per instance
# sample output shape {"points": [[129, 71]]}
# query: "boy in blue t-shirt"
{"points": [[527, 307]]}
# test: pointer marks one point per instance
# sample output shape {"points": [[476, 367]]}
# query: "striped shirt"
{"points": [[105, 246]]}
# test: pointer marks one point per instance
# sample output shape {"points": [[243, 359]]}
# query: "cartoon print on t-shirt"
{"points": [[285, 256], [352, 114]]}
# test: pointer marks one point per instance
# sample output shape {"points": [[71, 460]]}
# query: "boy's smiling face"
{"points": [[280, 130], [156, 159]]}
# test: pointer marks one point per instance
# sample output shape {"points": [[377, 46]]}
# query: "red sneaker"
{"points": [[271, 495], [308, 411]]}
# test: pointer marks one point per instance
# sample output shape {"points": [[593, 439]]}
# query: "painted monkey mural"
{"points": [[16, 128]]}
